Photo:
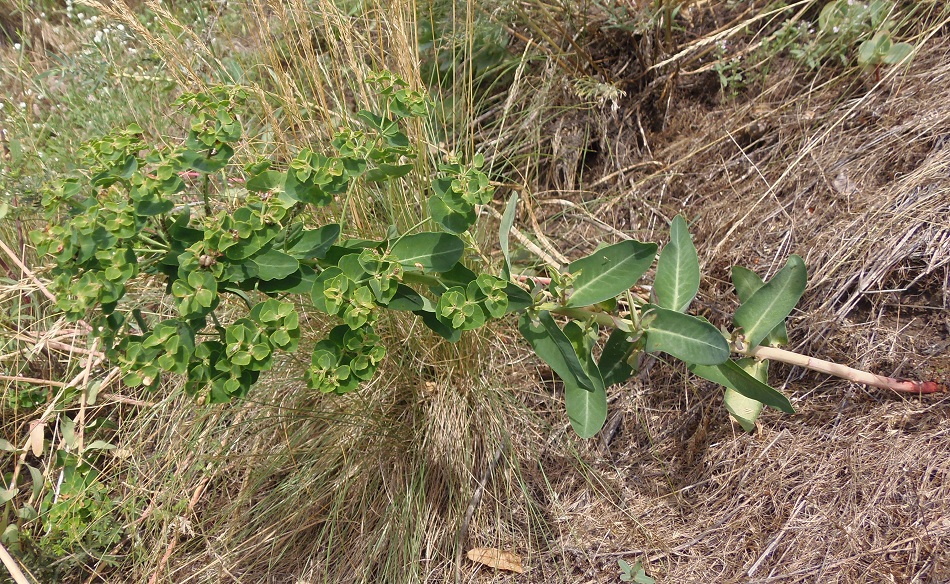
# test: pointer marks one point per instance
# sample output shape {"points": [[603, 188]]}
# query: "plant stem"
{"points": [[845, 372], [775, 354]]}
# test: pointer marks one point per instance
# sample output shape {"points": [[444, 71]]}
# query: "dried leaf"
{"points": [[36, 437], [496, 558]]}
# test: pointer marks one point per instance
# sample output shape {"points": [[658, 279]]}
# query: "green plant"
{"points": [[74, 510], [844, 23], [133, 217], [634, 573]]}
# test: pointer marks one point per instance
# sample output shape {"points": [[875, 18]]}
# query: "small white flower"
{"points": [[37, 21], [132, 50], [22, 105], [17, 46], [121, 27], [835, 30], [80, 15]]}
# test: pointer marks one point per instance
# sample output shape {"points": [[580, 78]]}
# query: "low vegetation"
{"points": [[300, 292]]}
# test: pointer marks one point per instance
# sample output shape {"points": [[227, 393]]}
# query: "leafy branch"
{"points": [[130, 218]]}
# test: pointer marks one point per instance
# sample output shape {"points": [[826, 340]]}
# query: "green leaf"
{"points": [[504, 230], [68, 429], [609, 271], [406, 298], [554, 348], [518, 299], [8, 494], [587, 410], [153, 206], [677, 271], [314, 243], [731, 375], [100, 445], [431, 320], [634, 573], [305, 192], [613, 365], [430, 252], [772, 303], [897, 53], [452, 220], [743, 409], [269, 180], [746, 283], [685, 337], [274, 265], [299, 282]]}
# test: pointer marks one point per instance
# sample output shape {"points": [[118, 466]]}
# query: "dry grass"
{"points": [[386, 484]]}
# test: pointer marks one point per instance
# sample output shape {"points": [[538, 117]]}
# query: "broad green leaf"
{"points": [[37, 478], [583, 344], [554, 348], [677, 271], [245, 248], [269, 180], [609, 271], [432, 321], [430, 252], [67, 427], [685, 337], [100, 445], [731, 375], [406, 298], [897, 53], [7, 494], [746, 283], [314, 243], [772, 303], [452, 220], [504, 230], [388, 171], [518, 299], [274, 265], [305, 192], [299, 282], [587, 410], [743, 409], [154, 206], [613, 365]]}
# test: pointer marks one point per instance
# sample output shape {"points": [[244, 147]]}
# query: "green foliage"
{"points": [[769, 305], [237, 273], [746, 410], [843, 24], [67, 514], [609, 271], [844, 32], [634, 573], [677, 270]]}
